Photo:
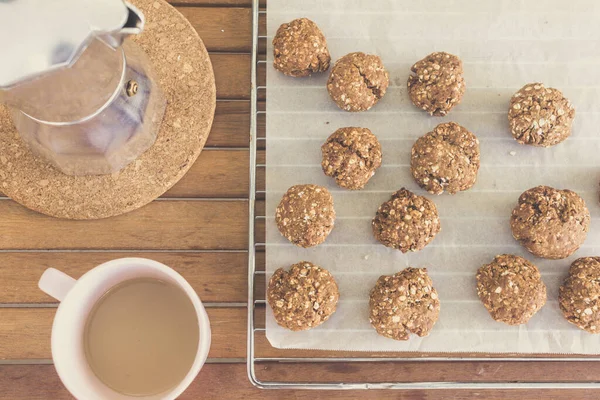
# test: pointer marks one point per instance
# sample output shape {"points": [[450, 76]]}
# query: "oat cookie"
{"points": [[357, 81], [305, 215], [404, 303], [579, 295], [437, 84], [550, 223], [351, 155], [445, 159], [540, 116], [304, 297], [511, 289], [406, 222], [300, 49]]}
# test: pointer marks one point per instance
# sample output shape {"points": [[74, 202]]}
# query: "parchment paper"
{"points": [[504, 44]]}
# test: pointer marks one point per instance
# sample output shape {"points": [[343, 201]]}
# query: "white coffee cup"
{"points": [[77, 298]]}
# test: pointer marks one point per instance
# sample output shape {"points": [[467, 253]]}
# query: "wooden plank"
{"points": [[215, 381], [260, 208], [222, 173], [229, 381], [260, 284], [215, 174], [260, 261], [211, 3], [262, 32], [262, 46], [499, 371], [165, 225], [261, 74], [261, 181], [232, 75], [216, 3], [227, 28], [222, 28], [231, 126], [216, 277], [260, 231], [31, 382], [25, 333], [261, 129]]}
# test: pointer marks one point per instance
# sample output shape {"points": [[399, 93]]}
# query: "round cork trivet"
{"points": [[183, 68]]}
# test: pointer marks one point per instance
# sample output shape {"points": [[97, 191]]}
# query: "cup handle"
{"points": [[56, 283]]}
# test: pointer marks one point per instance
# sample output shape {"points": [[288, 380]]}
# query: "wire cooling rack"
{"points": [[312, 371]]}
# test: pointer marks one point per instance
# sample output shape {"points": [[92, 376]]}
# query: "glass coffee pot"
{"points": [[81, 96]]}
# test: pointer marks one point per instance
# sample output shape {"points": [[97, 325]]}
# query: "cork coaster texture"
{"points": [[182, 66]]}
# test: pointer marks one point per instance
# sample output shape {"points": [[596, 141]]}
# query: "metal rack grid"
{"points": [[255, 303]]}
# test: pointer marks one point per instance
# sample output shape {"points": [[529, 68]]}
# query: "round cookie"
{"points": [[357, 81], [445, 159], [437, 84], [406, 222], [540, 116], [550, 223], [351, 155], [300, 49], [579, 295], [305, 215], [304, 297], [404, 303], [511, 289]]}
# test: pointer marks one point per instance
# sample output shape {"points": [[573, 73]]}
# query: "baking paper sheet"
{"points": [[504, 44]]}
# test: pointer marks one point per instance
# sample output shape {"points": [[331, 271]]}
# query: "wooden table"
{"points": [[200, 228]]}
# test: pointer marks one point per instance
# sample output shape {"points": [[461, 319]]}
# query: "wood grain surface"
{"points": [[199, 227], [229, 381], [221, 279], [161, 225]]}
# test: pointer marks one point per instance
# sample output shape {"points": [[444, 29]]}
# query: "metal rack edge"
{"points": [[250, 358]]}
